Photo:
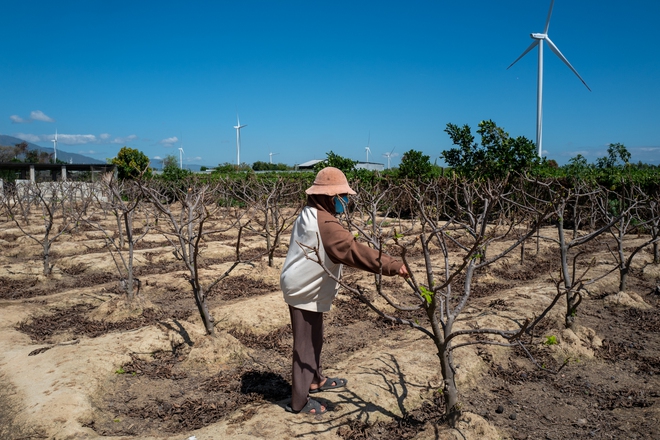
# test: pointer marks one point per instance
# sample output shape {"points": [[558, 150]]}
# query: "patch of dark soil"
{"points": [[25, 288], [142, 244], [30, 288], [649, 319], [516, 374], [279, 340], [151, 405], [219, 236], [157, 268], [76, 269], [74, 320], [247, 254], [241, 286], [617, 351], [349, 310], [533, 268], [160, 367], [206, 262]]}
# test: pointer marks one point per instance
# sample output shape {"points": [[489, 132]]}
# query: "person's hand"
{"points": [[403, 272]]}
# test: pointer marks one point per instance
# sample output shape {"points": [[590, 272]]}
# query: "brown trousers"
{"points": [[307, 330]]}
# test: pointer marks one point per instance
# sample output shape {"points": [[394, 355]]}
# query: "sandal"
{"points": [[328, 385], [307, 409]]}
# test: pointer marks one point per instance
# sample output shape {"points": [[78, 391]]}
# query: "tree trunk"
{"points": [[569, 318], [202, 306], [449, 390], [47, 268], [623, 278]]}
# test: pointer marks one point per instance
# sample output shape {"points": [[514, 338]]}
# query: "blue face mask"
{"points": [[339, 207]]}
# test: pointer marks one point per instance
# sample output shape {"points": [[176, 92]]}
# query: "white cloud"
{"points": [[35, 115], [18, 120], [76, 139], [158, 158], [194, 158], [28, 137], [38, 115], [87, 152], [169, 142], [124, 140]]}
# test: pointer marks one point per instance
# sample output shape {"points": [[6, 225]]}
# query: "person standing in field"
{"points": [[309, 290]]}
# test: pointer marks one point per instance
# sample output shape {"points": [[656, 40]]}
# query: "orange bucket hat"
{"points": [[330, 181]]}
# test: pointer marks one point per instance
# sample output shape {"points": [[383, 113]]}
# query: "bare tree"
{"points": [[654, 215], [564, 200], [53, 201], [187, 206], [275, 202], [125, 200], [624, 209], [445, 289]]}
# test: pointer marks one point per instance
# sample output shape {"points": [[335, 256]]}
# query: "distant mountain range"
{"points": [[10, 141]]}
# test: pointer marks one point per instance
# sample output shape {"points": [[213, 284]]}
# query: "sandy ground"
{"points": [[67, 391]]}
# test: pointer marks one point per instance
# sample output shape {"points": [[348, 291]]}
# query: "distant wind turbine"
{"points": [[55, 148], [538, 41], [271, 156], [367, 149], [238, 127], [180, 158], [390, 155]]}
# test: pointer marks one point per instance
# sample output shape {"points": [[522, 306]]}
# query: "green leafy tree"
{"points": [[132, 164], [170, 161], [497, 155], [417, 165], [618, 156], [172, 173], [334, 160]]}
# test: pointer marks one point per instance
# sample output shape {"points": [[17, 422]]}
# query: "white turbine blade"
{"points": [[547, 23], [563, 58], [531, 46]]}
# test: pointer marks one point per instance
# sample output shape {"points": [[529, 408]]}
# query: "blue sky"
{"points": [[308, 77]]}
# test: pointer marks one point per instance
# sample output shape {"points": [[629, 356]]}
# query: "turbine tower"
{"points": [[180, 158], [538, 41], [271, 156], [389, 155], [238, 127], [55, 147], [367, 149]]}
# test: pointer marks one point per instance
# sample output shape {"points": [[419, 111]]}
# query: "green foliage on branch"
{"points": [[334, 160], [132, 164], [266, 166], [417, 166], [497, 155]]}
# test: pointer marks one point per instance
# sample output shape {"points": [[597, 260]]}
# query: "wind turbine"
{"points": [[367, 149], [55, 147], [181, 158], [271, 156], [538, 41], [238, 127], [389, 155]]}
